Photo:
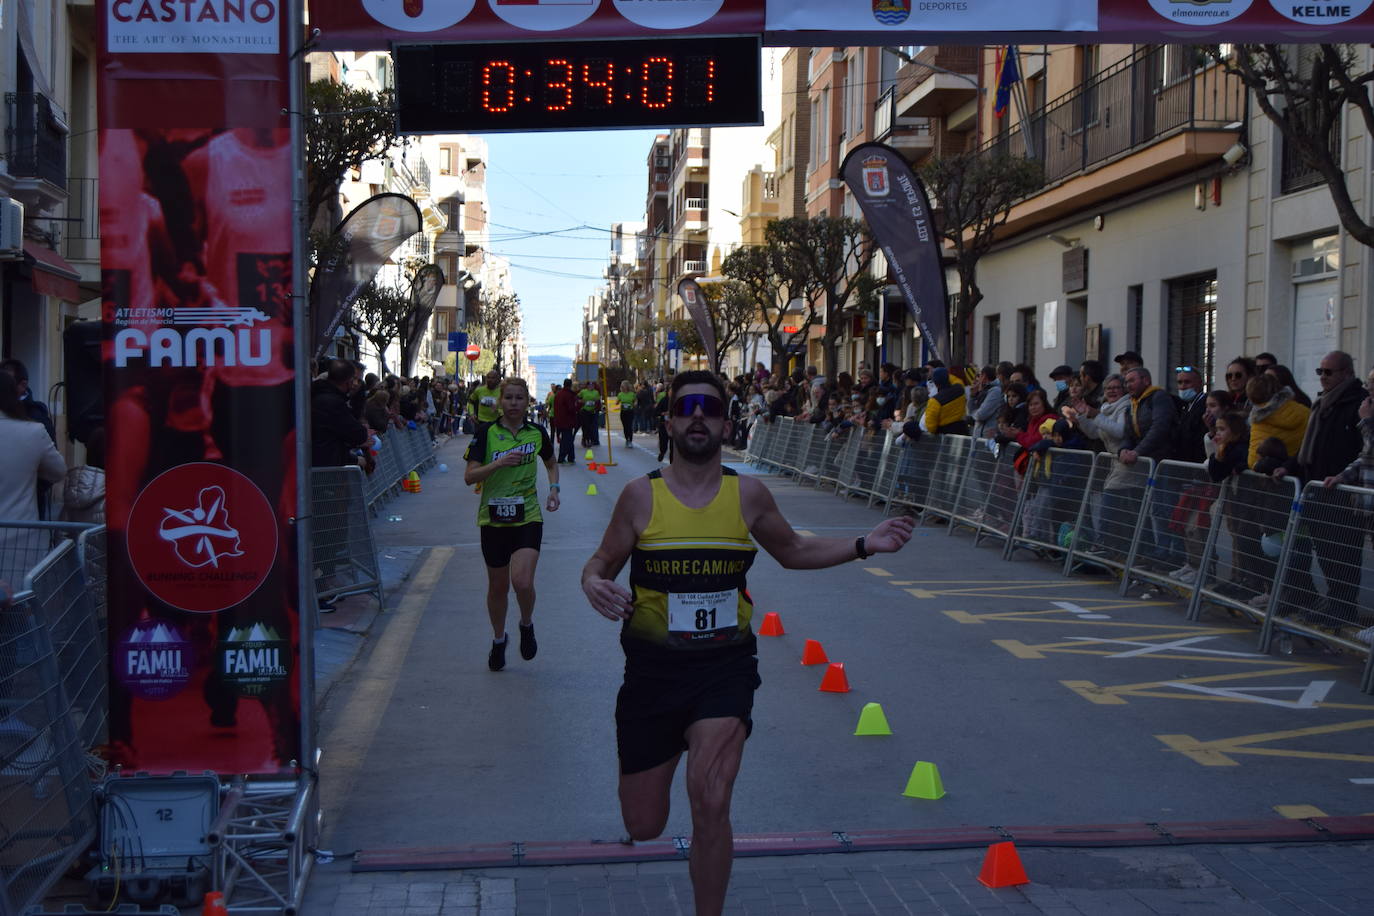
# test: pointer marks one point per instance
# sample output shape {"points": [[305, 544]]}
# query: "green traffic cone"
{"points": [[590, 456], [591, 489], [872, 721], [924, 782]]}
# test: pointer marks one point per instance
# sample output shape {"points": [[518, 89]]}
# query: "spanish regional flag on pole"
{"points": [[1008, 75]]}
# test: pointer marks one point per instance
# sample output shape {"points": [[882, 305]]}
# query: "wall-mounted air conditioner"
{"points": [[11, 229]]}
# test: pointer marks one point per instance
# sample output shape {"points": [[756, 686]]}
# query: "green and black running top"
{"points": [[509, 496], [687, 573]]}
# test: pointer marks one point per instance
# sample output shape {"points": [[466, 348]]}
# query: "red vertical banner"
{"points": [[196, 271]]}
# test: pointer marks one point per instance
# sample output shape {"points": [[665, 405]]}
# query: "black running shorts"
{"points": [[500, 542], [652, 713]]}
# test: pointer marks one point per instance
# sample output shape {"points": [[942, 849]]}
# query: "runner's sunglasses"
{"points": [[711, 406]]}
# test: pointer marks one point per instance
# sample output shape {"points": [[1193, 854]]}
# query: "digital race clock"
{"points": [[577, 85]]}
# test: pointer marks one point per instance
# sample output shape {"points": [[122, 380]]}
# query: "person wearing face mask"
{"points": [[946, 409], [1190, 430], [1060, 378]]}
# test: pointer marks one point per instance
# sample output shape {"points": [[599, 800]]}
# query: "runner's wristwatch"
{"points": [[859, 549]]}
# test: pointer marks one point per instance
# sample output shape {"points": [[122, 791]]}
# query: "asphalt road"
{"points": [[1041, 700]]}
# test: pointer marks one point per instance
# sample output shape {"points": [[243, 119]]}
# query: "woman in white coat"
{"points": [[29, 456]]}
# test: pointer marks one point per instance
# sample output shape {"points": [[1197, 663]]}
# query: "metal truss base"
{"points": [[263, 843]]}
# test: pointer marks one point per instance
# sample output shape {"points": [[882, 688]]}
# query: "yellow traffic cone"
{"points": [[924, 782], [872, 721], [590, 455], [591, 489]]}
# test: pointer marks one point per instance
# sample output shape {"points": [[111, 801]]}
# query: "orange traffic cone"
{"points": [[591, 465], [834, 680], [601, 469], [214, 905], [1002, 867], [813, 654], [772, 625]]}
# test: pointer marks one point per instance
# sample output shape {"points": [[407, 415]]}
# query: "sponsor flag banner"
{"points": [[1090, 21], [895, 204], [197, 328], [364, 241], [1008, 75], [362, 25], [695, 300]]}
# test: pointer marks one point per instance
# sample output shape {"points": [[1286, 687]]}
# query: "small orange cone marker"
{"points": [[772, 625], [591, 489], [872, 721], [834, 680], [924, 782], [813, 654], [601, 469], [1002, 867], [214, 905]]}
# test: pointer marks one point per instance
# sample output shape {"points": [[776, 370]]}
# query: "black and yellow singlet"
{"points": [[687, 573]]}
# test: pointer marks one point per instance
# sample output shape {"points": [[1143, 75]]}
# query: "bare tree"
{"points": [[347, 127], [730, 310], [1303, 90], [499, 323], [975, 193], [831, 255], [377, 315], [773, 289], [618, 312]]}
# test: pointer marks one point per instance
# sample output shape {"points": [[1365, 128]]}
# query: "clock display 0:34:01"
{"points": [[554, 84]]}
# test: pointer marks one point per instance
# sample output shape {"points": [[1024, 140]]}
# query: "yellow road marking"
{"points": [[1017, 648], [1217, 753], [1093, 693], [806, 534], [963, 617], [919, 593], [1298, 812], [351, 736], [876, 571], [1004, 590], [1097, 693]]}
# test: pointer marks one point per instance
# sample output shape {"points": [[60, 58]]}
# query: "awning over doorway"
{"points": [[51, 274]]}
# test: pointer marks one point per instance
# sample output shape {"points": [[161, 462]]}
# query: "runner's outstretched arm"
{"points": [[793, 551], [631, 514]]}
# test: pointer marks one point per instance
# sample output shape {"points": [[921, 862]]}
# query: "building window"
{"points": [[1193, 322], [992, 333], [445, 160], [1030, 334]]}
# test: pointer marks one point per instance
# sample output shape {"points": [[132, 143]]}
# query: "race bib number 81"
{"points": [[702, 615]]}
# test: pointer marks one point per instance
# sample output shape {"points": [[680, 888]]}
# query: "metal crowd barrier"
{"points": [[402, 451], [1293, 561], [53, 708], [345, 551]]}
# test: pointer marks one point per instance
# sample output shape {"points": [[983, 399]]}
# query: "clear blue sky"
{"points": [[544, 183]]}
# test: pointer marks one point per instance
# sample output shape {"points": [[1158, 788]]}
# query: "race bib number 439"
{"points": [[702, 615]]}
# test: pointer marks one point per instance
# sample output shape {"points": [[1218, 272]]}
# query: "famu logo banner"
{"points": [[254, 659], [193, 26]]}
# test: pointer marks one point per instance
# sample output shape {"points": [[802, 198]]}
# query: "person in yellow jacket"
{"points": [[947, 407], [1274, 411]]}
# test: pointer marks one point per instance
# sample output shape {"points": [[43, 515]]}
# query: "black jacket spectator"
{"points": [[1150, 426], [1333, 435], [1190, 430], [333, 428]]}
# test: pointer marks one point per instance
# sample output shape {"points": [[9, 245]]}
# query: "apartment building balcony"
{"points": [[36, 150], [1295, 174], [694, 215], [694, 267], [1144, 120], [912, 137], [940, 80]]}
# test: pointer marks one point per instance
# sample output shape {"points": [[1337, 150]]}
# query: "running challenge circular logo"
{"points": [[1321, 13], [668, 14], [202, 537], [1200, 12], [419, 15]]}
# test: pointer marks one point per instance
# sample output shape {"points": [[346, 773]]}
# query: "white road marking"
{"points": [[1150, 648], [1082, 614], [1308, 697]]}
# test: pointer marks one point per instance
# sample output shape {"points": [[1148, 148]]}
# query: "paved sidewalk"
{"points": [[1315, 878]]}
